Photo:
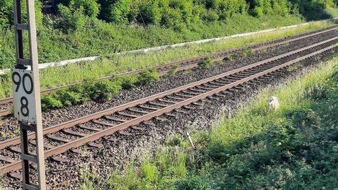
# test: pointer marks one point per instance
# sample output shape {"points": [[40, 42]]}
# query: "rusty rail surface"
{"points": [[189, 63], [185, 95]]}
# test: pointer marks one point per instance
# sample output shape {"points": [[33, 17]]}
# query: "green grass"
{"points": [[113, 64], [293, 148]]}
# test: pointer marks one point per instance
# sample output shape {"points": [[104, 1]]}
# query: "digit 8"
{"points": [[24, 105]]}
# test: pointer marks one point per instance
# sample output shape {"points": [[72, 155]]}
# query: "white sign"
{"points": [[23, 95]]}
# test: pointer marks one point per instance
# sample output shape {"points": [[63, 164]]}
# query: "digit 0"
{"points": [[30, 81], [24, 106]]}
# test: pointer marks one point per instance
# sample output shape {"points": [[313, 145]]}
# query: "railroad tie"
{"points": [[181, 111], [123, 132], [95, 145], [48, 146], [115, 119], [76, 150], [127, 115], [6, 159], [150, 123], [52, 137], [137, 111], [15, 149], [175, 98], [200, 103], [205, 88], [220, 95], [148, 108], [59, 159], [74, 133], [110, 139], [213, 98], [189, 107], [171, 115], [16, 175], [184, 95], [102, 123], [191, 92], [161, 119], [196, 90], [166, 101], [138, 128], [89, 128], [157, 104]]}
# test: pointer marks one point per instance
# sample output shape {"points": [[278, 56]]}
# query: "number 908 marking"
{"points": [[23, 88]]}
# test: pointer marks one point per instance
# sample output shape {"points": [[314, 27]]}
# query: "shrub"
{"points": [[148, 76], [69, 97], [128, 82], [49, 102], [102, 90]]}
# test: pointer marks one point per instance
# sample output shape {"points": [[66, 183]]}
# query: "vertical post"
{"points": [[26, 93]]}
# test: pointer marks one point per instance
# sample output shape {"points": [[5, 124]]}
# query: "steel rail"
{"points": [[217, 56], [16, 141], [92, 137]]}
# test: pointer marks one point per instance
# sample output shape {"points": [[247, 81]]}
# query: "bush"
{"points": [[49, 102], [128, 82], [148, 76], [69, 97], [102, 90]]}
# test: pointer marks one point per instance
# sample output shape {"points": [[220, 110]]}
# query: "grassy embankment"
{"points": [[112, 64], [294, 148]]}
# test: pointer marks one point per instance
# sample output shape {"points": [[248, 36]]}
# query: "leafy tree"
{"points": [[115, 10], [90, 7], [150, 12], [7, 13]]}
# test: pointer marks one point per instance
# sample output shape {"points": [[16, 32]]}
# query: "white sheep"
{"points": [[273, 103]]}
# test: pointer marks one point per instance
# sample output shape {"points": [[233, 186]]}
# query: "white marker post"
{"points": [[26, 93]]}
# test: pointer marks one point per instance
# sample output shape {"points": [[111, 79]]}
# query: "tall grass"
{"points": [[114, 64]]}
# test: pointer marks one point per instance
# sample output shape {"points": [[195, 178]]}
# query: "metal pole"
{"points": [[26, 93]]}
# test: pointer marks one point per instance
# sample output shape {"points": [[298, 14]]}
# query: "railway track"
{"points": [[5, 104], [75, 133]]}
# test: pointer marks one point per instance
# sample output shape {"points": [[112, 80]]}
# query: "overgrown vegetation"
{"points": [[294, 148], [96, 90], [89, 27], [112, 65]]}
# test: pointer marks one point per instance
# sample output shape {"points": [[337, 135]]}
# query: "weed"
{"points": [[3, 135], [128, 82], [69, 97], [229, 58], [49, 102], [150, 172], [102, 90], [173, 70], [207, 62], [148, 76]]}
